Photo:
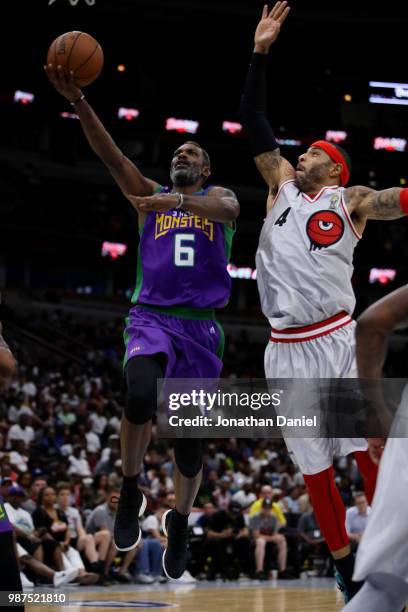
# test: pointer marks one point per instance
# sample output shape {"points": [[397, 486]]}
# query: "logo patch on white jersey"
{"points": [[324, 228], [334, 200]]}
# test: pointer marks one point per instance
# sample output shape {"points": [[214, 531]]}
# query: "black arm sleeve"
{"points": [[252, 111]]}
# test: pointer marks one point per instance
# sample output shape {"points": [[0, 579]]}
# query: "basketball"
{"points": [[80, 52]]}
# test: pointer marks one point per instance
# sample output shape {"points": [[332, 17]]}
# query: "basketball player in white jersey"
{"points": [[382, 556], [304, 268]]}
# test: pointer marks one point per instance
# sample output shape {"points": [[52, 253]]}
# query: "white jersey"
{"points": [[305, 257]]}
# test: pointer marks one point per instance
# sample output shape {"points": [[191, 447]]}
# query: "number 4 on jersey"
{"points": [[283, 218]]}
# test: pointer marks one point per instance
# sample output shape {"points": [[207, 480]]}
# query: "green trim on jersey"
{"points": [[139, 272], [126, 341], [221, 344], [182, 312], [229, 233]]}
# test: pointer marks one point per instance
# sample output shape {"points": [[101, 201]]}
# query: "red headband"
{"points": [[336, 156]]}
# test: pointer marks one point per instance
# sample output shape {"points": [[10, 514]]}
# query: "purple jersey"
{"points": [[182, 260], [5, 524]]}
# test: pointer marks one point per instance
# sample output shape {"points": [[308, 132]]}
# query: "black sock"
{"points": [[346, 566], [130, 481], [179, 520]]}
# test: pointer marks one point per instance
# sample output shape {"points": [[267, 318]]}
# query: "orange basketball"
{"points": [[77, 51]]}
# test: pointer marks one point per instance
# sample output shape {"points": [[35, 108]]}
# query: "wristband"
{"points": [[79, 100], [404, 200], [181, 199]]}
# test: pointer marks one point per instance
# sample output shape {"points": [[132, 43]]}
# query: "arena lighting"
{"points": [[113, 249], [289, 142], [242, 273], [232, 127], [388, 93], [23, 97], [66, 115], [181, 125], [336, 136], [390, 144], [128, 113], [382, 275]]}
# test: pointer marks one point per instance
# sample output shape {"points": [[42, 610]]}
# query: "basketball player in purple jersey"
{"points": [[304, 267], [9, 571], [185, 241]]}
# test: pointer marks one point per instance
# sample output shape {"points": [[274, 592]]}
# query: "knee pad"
{"points": [[140, 406], [141, 378], [188, 456]]}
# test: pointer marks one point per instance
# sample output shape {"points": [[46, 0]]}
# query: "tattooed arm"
{"points": [[274, 169], [364, 203]]}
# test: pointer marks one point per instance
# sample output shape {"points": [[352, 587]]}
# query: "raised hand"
{"points": [[269, 27], [63, 83]]}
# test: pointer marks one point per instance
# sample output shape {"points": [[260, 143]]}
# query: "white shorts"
{"points": [[326, 356], [384, 545]]}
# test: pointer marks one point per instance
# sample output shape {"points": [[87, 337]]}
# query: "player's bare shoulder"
{"points": [[353, 196]]}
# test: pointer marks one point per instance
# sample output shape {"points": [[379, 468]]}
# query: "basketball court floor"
{"points": [[307, 595]]}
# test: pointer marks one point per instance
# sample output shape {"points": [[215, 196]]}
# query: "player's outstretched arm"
{"points": [[220, 204], [385, 205], [125, 173], [253, 109], [373, 329]]}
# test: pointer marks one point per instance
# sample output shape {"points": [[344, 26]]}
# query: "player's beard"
{"points": [[311, 180], [188, 175]]}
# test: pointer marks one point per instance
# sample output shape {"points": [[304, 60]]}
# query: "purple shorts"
{"points": [[193, 346], [5, 524]]}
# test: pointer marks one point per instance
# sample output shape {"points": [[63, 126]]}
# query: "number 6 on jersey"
{"points": [[184, 255]]}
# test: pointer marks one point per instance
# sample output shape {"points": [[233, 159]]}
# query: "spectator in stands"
{"points": [[162, 484], [258, 460], [93, 441], [264, 529], [18, 408], [228, 541], [205, 519], [95, 546], [38, 571], [268, 493], [79, 465], [100, 486], [36, 542], [18, 456], [66, 414], [356, 518], [222, 494], [97, 417], [21, 431], [113, 444], [37, 484], [245, 497], [290, 501], [313, 545], [109, 466]]}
